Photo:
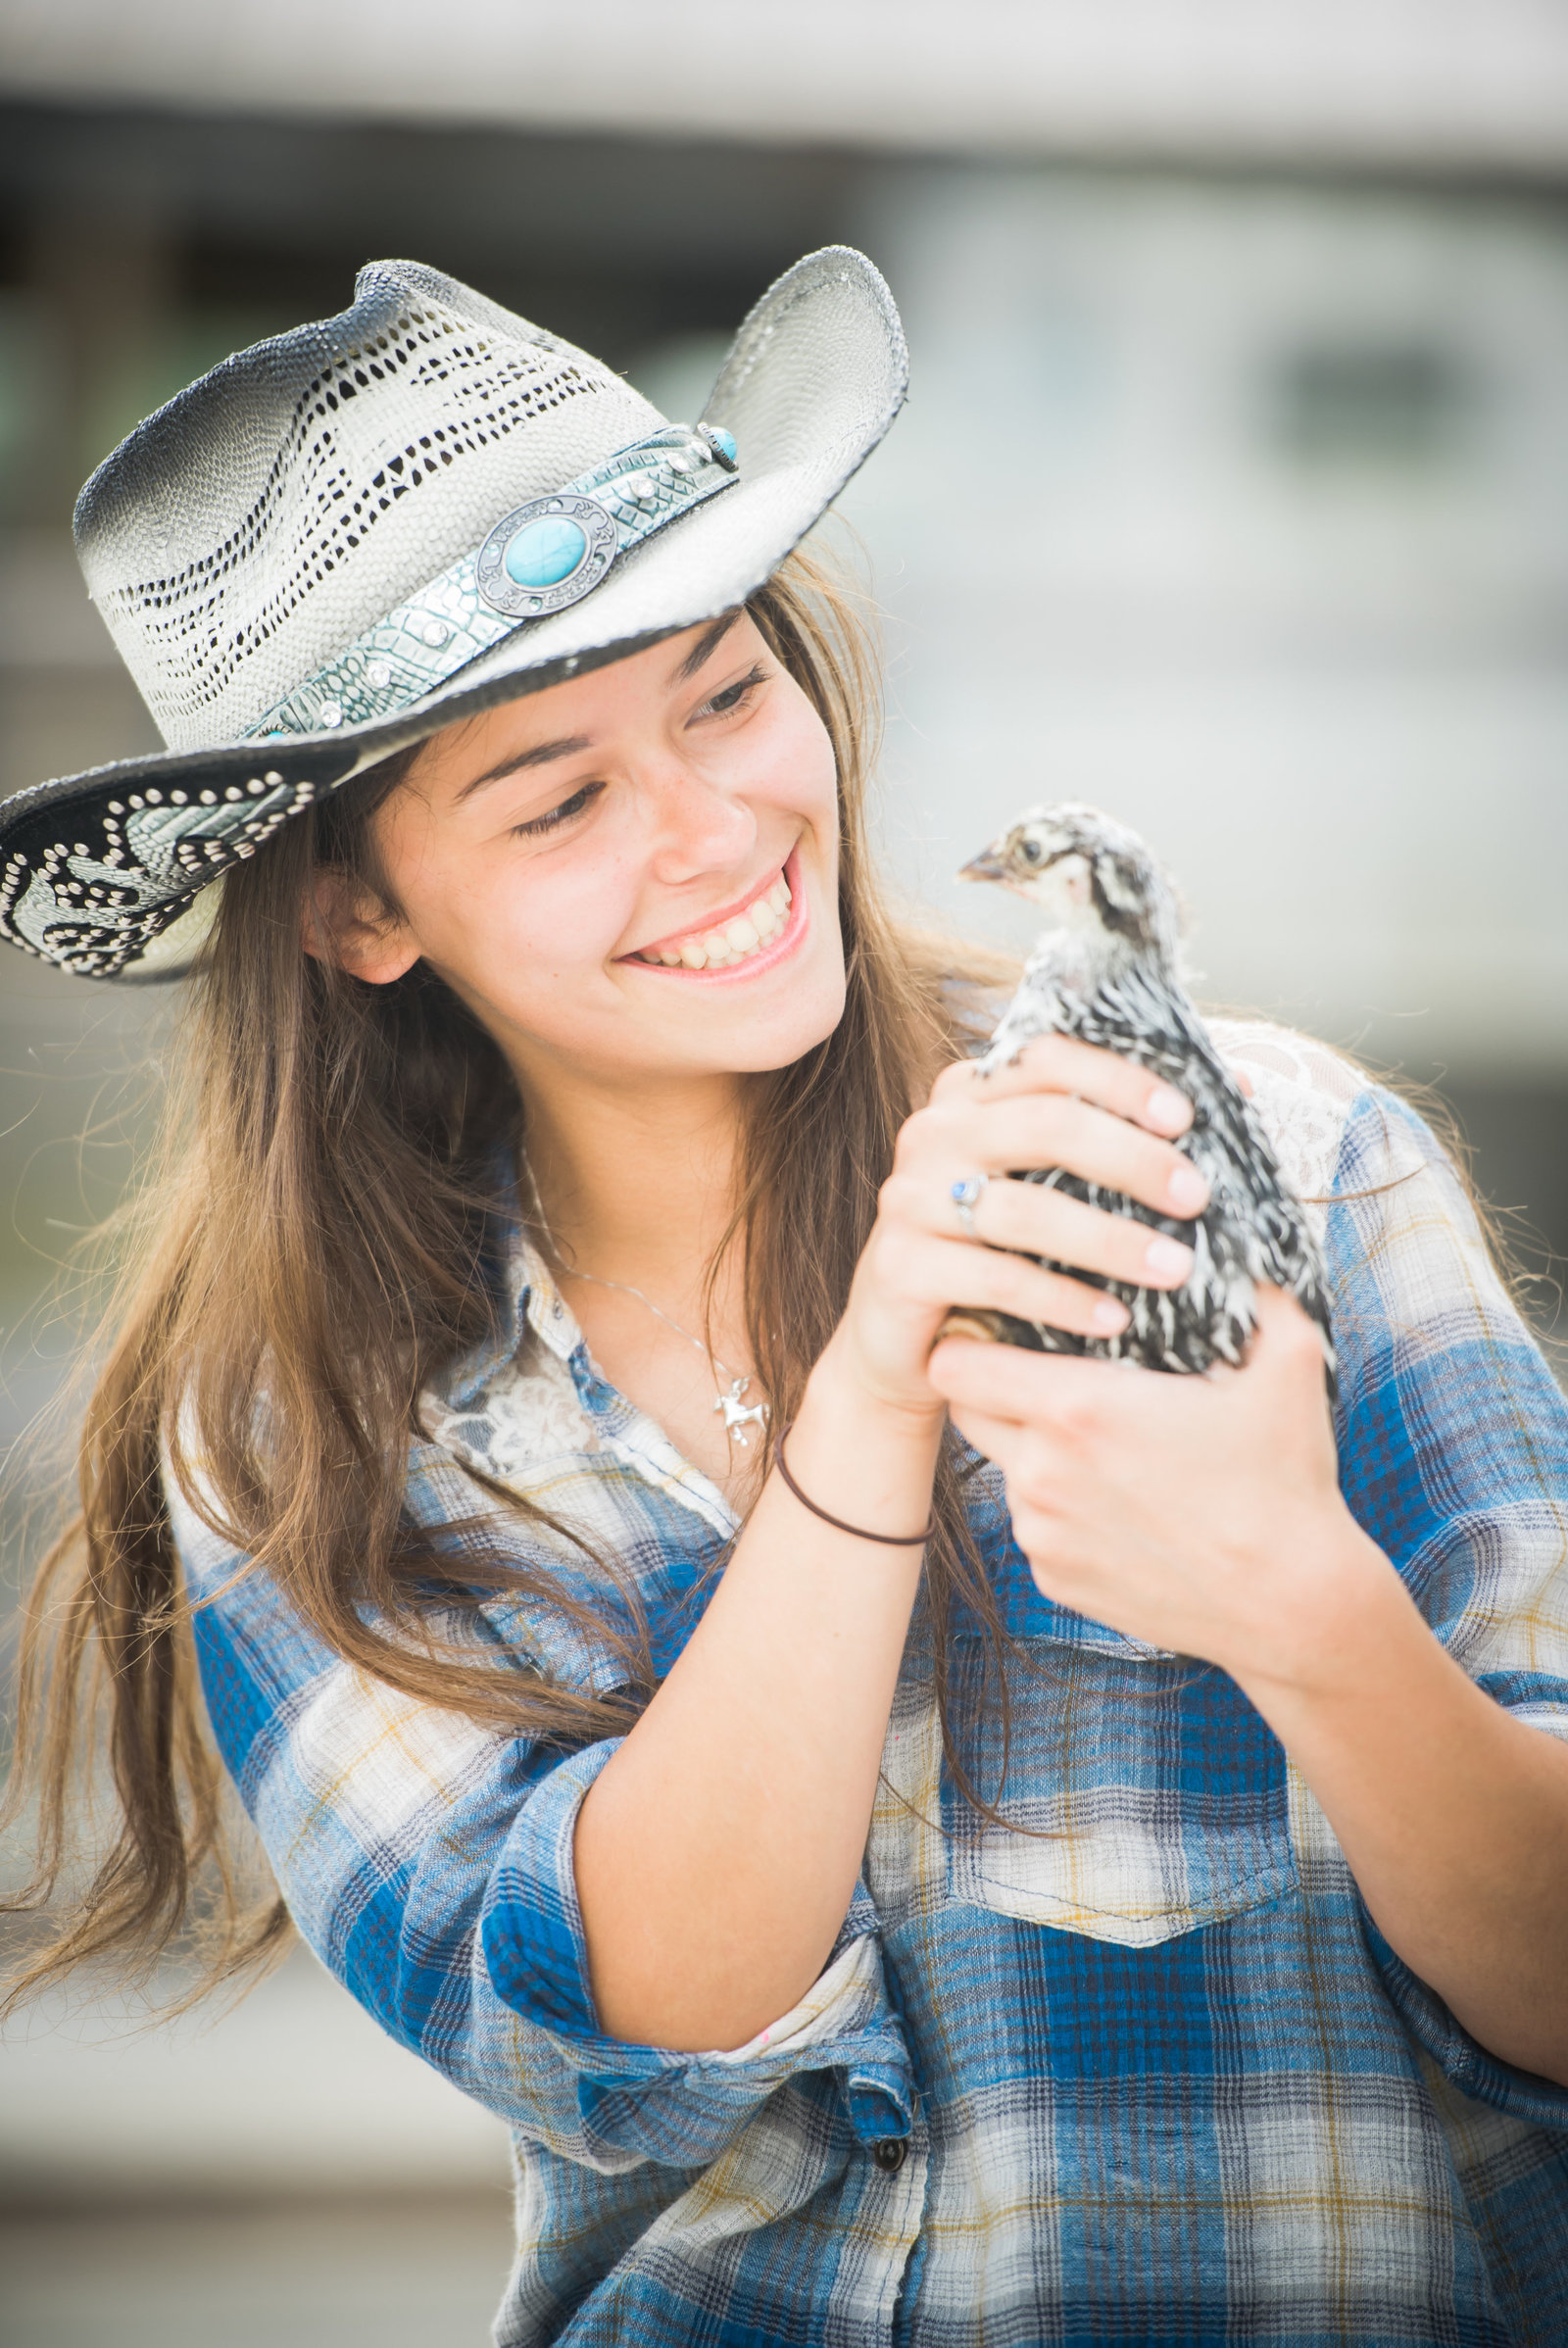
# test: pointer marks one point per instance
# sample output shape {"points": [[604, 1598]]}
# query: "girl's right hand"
{"points": [[1060, 1103]]}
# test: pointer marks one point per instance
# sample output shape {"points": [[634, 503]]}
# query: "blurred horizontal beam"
{"points": [[293, 2091], [1456, 86]]}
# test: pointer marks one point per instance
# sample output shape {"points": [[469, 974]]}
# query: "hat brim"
{"points": [[816, 375]]}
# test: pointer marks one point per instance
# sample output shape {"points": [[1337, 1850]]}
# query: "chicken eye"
{"points": [[1031, 852]]}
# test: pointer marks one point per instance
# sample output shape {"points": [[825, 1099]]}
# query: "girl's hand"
{"points": [[1201, 1514], [1061, 1103]]}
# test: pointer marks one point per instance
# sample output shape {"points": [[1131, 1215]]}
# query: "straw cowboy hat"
{"points": [[360, 531]]}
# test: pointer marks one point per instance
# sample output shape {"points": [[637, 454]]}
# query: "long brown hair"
{"points": [[314, 1250]]}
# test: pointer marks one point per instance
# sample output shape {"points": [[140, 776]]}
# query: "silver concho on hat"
{"points": [[545, 554]]}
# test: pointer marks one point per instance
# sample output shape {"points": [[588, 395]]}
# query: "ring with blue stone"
{"points": [[967, 1197]]}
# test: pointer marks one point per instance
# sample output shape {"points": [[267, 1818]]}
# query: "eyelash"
{"points": [[732, 698], [568, 808]]}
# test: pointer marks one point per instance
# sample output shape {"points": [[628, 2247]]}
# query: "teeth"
{"points": [[743, 935]]}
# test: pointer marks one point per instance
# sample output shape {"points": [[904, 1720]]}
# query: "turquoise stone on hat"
{"points": [[724, 443], [547, 550]]}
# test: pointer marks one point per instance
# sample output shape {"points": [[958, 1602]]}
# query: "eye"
{"points": [[557, 817], [733, 696], [1030, 852]]}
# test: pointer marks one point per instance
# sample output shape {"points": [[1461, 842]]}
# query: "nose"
{"points": [[698, 826]]}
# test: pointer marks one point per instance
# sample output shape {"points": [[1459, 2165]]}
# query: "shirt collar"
{"points": [[523, 1297]]}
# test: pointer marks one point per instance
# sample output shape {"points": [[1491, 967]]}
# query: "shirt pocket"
{"points": [[1142, 1797]]}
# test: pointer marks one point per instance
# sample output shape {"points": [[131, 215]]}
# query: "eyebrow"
{"points": [[544, 754], [706, 643]]}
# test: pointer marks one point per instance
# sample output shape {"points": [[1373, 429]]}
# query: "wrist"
{"points": [[863, 1464], [1330, 1632], [839, 1385]]}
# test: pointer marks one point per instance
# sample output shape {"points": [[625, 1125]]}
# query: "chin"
{"points": [[780, 1044], [754, 1041]]}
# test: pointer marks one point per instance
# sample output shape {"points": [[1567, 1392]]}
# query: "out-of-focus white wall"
{"points": [[1244, 510], [1444, 83]]}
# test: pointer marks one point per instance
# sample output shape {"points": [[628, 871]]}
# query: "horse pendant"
{"points": [[738, 1415]]}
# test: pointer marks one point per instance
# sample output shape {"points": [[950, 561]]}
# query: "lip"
{"points": [[714, 920], [755, 964]]}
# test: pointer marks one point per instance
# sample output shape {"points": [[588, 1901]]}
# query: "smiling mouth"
{"points": [[725, 943]]}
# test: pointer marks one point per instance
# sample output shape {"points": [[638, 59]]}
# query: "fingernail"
{"points": [[1187, 1191], [1171, 1111], [1108, 1318], [1167, 1259]]}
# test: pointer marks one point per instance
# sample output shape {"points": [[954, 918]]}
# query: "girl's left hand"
{"points": [[1200, 1514]]}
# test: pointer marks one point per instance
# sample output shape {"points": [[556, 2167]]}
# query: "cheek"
{"points": [[568, 917], [494, 919], [791, 765], [819, 775]]}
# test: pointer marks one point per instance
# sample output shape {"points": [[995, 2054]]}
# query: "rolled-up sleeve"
{"points": [[428, 1862], [1453, 1442]]}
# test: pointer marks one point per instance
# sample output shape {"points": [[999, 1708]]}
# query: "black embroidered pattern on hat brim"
{"points": [[89, 883]]}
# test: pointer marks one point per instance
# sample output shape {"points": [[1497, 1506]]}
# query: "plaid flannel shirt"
{"points": [[1143, 2073]]}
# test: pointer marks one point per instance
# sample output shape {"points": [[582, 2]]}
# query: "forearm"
{"points": [[718, 1852], [1452, 1815]]}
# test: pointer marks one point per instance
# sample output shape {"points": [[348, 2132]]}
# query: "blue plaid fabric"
{"points": [[1156, 2076]]}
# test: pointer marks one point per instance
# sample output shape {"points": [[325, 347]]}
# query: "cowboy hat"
{"points": [[362, 530]]}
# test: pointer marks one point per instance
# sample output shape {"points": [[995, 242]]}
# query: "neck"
{"points": [[637, 1183]]}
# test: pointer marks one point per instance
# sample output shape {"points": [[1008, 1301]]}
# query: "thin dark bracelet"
{"points": [[891, 1540]]}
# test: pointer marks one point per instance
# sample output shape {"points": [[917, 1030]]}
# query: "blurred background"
{"points": [[1232, 494]]}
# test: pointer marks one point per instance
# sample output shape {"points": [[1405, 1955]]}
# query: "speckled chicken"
{"points": [[1105, 970]]}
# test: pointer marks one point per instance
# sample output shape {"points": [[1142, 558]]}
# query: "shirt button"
{"points": [[889, 2154]]}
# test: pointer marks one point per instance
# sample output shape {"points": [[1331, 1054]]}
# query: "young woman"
{"points": [[922, 1844]]}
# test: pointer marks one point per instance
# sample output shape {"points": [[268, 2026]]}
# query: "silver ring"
{"points": [[967, 1197]]}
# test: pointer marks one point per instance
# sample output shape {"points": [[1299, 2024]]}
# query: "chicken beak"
{"points": [[987, 866]]}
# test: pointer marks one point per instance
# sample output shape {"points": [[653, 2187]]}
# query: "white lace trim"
{"points": [[1302, 1093], [528, 1419]]}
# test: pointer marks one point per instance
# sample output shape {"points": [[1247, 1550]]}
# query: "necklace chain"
{"points": [[739, 1414]]}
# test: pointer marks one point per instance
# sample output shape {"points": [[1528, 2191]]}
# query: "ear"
{"points": [[352, 928]]}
